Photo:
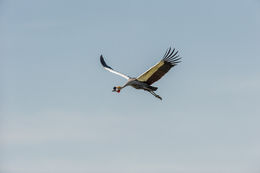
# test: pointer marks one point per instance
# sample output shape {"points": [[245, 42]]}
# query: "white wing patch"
{"points": [[115, 72], [108, 68]]}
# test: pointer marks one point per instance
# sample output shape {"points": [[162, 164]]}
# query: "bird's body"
{"points": [[135, 83], [152, 75]]}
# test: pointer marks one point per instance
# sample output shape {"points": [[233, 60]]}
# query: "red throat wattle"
{"points": [[118, 91]]}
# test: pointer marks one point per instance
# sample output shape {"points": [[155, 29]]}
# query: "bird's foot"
{"points": [[158, 97], [155, 95]]}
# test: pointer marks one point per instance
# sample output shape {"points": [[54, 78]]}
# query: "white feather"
{"points": [[115, 72]]}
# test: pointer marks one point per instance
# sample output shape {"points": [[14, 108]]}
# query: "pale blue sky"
{"points": [[58, 114]]}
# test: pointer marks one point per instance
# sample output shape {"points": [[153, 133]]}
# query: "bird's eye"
{"points": [[114, 88]]}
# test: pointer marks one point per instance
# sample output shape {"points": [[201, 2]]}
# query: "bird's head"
{"points": [[116, 89]]}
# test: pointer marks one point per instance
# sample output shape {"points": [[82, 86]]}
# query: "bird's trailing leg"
{"points": [[155, 95]]}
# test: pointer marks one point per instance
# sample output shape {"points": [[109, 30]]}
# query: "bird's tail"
{"points": [[153, 88]]}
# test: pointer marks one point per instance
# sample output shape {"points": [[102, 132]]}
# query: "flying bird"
{"points": [[145, 80]]}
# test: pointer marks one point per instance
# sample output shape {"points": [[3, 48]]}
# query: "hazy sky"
{"points": [[58, 114]]}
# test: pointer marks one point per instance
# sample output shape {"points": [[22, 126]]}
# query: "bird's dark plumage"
{"points": [[104, 63], [169, 60]]}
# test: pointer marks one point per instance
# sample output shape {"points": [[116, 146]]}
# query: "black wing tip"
{"points": [[104, 64], [171, 56], [102, 60]]}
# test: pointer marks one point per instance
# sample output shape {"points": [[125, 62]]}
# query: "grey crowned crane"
{"points": [[145, 80]]}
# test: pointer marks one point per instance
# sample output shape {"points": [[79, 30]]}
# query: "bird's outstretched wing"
{"points": [[104, 64], [155, 73]]}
